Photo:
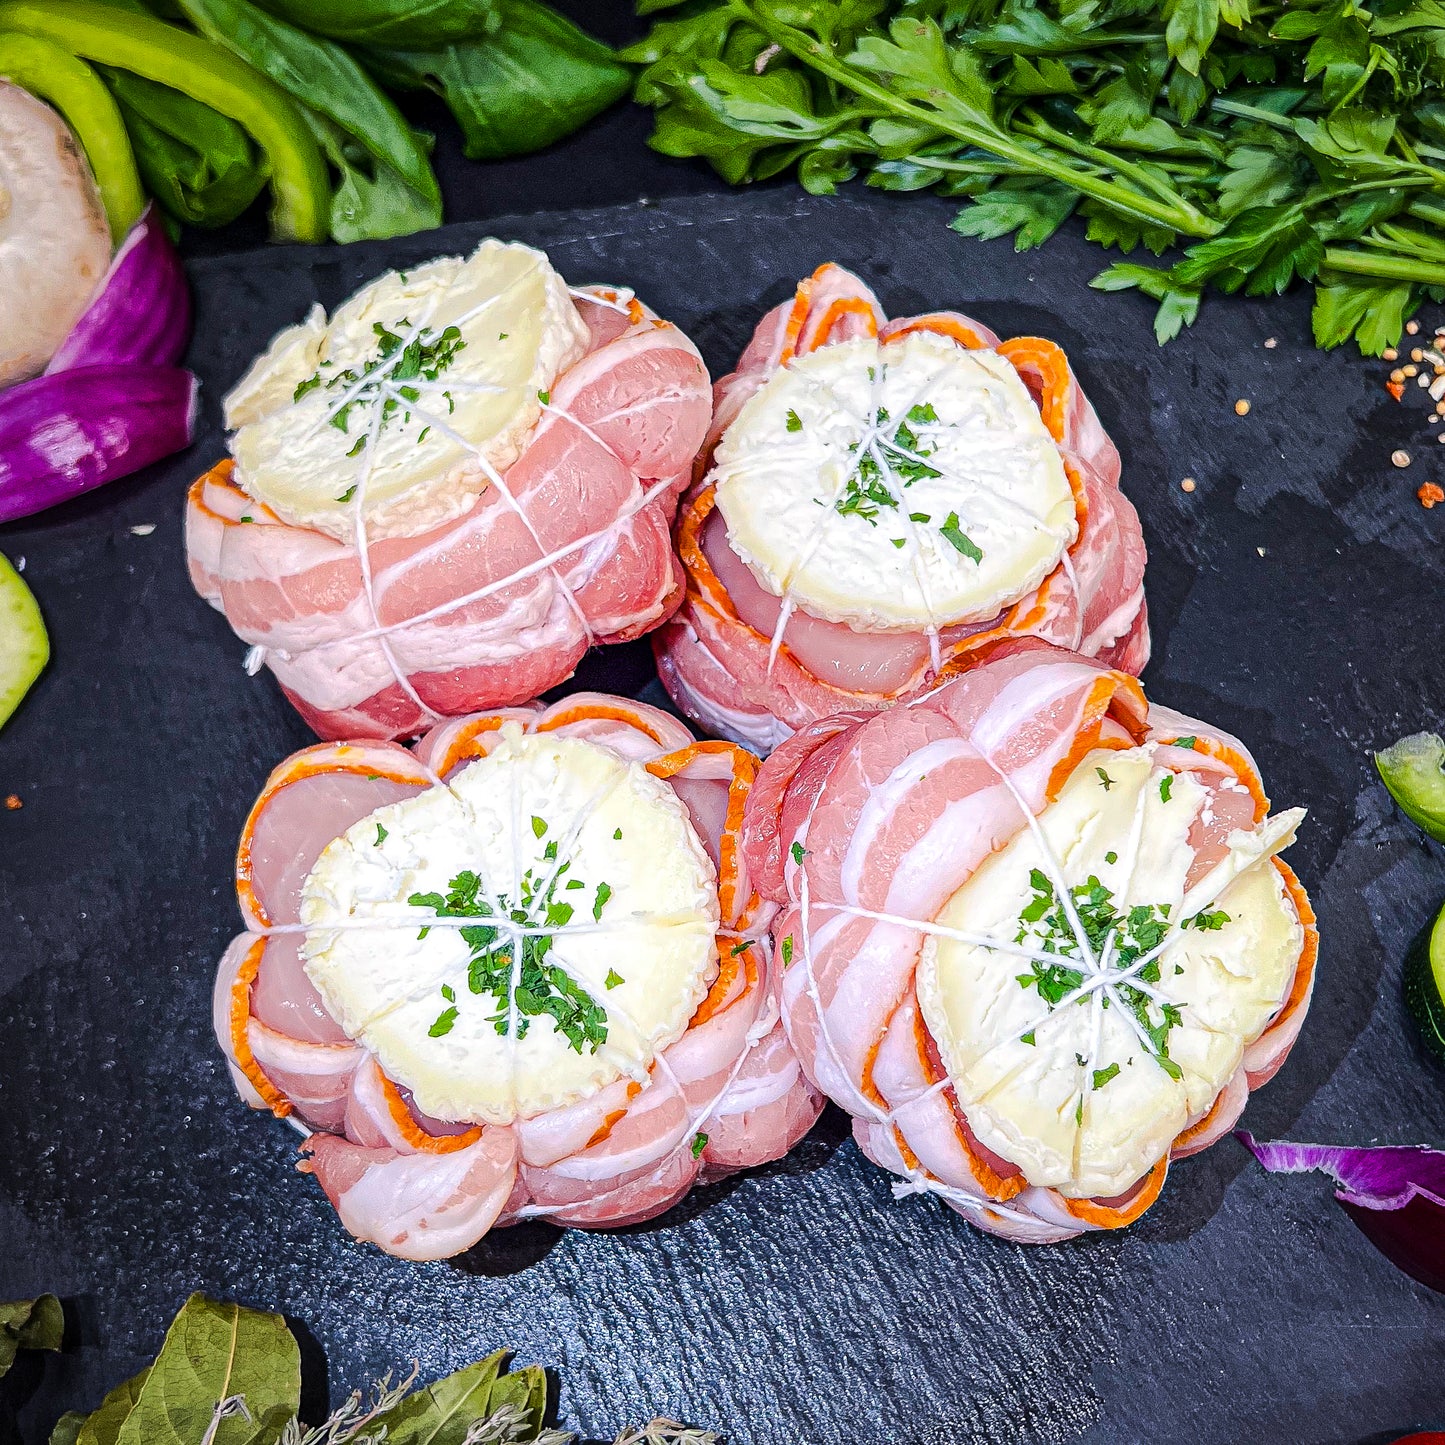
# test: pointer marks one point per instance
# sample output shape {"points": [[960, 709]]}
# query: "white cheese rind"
{"points": [[658, 928], [520, 329], [786, 459], [1022, 1100]]}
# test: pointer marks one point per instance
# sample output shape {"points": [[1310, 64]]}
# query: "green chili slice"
{"points": [[205, 72], [52, 73]]}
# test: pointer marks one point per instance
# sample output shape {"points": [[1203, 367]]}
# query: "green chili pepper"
{"points": [[1414, 772], [52, 73], [205, 72]]}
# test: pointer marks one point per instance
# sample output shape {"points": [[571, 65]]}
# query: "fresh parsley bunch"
{"points": [[1271, 142]]}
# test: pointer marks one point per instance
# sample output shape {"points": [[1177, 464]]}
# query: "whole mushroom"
{"points": [[54, 239]]}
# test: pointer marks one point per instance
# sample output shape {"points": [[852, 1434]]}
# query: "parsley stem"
{"points": [[1200, 225], [1389, 268], [1178, 217]]}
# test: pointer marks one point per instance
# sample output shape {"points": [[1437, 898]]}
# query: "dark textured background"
{"points": [[1296, 600]]}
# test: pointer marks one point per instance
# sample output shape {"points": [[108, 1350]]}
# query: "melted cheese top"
{"points": [[613, 902], [400, 409], [900, 486], [1072, 1090]]}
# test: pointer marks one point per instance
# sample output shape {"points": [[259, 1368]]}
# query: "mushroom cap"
{"points": [[54, 239]]}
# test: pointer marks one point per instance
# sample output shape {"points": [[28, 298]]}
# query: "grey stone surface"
{"points": [[1296, 599]]}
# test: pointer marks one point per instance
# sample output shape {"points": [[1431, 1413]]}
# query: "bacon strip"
{"points": [[717, 665], [727, 1095], [499, 605], [861, 826]]}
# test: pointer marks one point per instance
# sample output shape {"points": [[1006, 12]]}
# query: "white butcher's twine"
{"points": [[871, 439], [693, 1121], [1100, 978], [387, 391]]}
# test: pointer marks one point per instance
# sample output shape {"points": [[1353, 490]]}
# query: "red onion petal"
{"points": [[141, 314], [1394, 1193], [64, 434]]}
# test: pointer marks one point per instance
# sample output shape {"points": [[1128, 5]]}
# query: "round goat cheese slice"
{"points": [[1083, 1070], [521, 936], [906, 485], [411, 400]]}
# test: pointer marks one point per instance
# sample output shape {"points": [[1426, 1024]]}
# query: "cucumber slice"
{"points": [[24, 647], [1425, 986], [1414, 772]]}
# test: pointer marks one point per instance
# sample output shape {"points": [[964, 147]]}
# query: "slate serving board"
{"points": [[1295, 600]]}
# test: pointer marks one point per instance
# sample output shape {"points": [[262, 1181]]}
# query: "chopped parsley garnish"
{"points": [[1166, 786], [613, 979], [380, 836], [787, 951], [1209, 921], [545, 397], [385, 379], [899, 542], [1134, 933], [742, 947], [1111, 857], [1027, 1038], [960, 541], [1188, 742], [794, 421], [449, 993], [539, 827], [532, 985], [616, 835], [357, 447], [1105, 779], [348, 494], [1102, 1076], [248, 519], [799, 852], [900, 458], [699, 1143]]}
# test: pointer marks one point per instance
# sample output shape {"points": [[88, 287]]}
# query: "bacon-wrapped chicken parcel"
{"points": [[519, 971], [1035, 937], [880, 501], [440, 497]]}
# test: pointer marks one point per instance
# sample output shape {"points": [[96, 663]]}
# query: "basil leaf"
{"points": [[67, 1429], [535, 79], [445, 1410], [104, 1426], [370, 200], [421, 24], [198, 164], [213, 1352], [29, 1324], [326, 79]]}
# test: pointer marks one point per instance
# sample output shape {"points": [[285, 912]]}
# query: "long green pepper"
{"points": [[205, 72]]}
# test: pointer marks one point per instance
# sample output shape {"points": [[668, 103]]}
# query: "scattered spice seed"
{"points": [[143, 529], [1401, 458], [1412, 328], [1429, 493], [1397, 375], [1390, 354], [1416, 354], [1270, 343], [1187, 485], [1410, 370], [13, 802], [1241, 407]]}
